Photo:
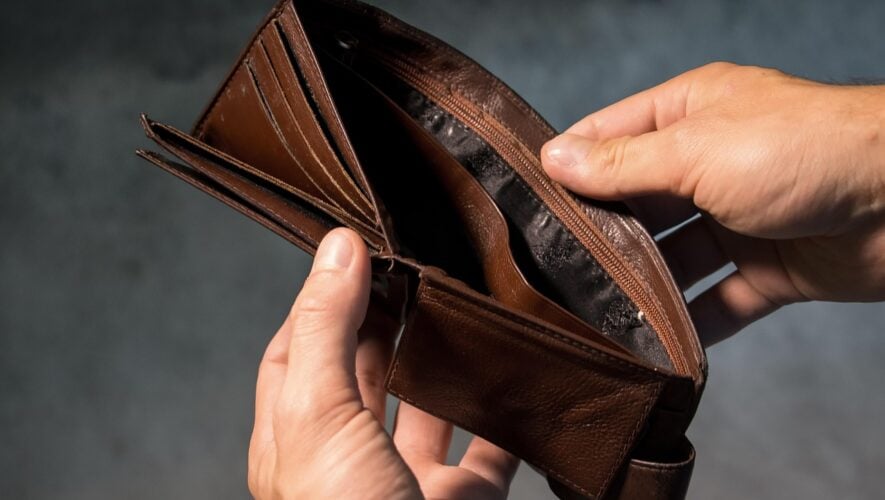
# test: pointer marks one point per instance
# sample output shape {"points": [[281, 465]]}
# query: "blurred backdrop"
{"points": [[133, 309]]}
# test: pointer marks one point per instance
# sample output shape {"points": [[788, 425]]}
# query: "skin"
{"points": [[320, 403], [787, 174], [788, 177]]}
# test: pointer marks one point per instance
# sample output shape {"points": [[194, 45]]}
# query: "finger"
{"points": [[661, 212], [373, 356], [421, 438], [727, 307], [646, 111], [324, 320], [622, 151], [625, 167], [492, 463], [649, 110], [271, 374], [693, 252]]}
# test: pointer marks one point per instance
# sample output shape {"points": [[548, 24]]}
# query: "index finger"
{"points": [[649, 110]]}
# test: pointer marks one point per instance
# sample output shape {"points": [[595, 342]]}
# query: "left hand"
{"points": [[320, 403]]}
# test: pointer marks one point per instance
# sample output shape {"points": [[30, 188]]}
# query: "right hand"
{"points": [[788, 174]]}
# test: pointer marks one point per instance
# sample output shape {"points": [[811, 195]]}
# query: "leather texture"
{"points": [[548, 324]]}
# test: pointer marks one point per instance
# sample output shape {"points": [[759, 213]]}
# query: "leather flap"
{"points": [[275, 112], [567, 407], [645, 479]]}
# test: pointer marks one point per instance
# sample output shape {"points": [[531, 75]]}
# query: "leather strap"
{"points": [[644, 480]]}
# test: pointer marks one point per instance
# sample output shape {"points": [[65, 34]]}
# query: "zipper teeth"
{"points": [[560, 206]]}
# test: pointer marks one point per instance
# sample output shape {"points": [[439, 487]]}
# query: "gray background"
{"points": [[133, 310]]}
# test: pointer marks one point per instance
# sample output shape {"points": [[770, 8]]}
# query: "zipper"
{"points": [[526, 165]]}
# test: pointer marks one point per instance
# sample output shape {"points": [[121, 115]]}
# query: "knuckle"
{"points": [[610, 156], [317, 297], [687, 152], [311, 305], [718, 67]]}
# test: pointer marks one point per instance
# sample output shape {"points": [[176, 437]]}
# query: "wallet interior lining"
{"points": [[546, 252], [550, 256], [427, 227], [450, 196]]}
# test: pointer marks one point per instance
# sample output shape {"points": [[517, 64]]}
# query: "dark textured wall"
{"points": [[133, 310]]}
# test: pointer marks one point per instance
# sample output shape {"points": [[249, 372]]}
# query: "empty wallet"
{"points": [[546, 323]]}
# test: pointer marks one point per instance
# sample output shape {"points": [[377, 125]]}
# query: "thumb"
{"points": [[324, 321], [617, 168]]}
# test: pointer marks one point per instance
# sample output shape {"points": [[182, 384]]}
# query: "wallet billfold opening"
{"points": [[543, 322]]}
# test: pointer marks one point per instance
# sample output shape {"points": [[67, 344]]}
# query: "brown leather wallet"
{"points": [[543, 322]]}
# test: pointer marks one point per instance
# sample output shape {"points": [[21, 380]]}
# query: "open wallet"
{"points": [[545, 323]]}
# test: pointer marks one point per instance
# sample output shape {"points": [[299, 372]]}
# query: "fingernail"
{"points": [[335, 252], [566, 150]]}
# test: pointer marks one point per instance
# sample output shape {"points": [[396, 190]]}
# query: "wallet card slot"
{"points": [[256, 142], [301, 53], [282, 55], [223, 168], [305, 237], [297, 127]]}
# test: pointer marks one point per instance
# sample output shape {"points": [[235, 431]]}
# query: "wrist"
{"points": [[866, 123], [876, 143]]}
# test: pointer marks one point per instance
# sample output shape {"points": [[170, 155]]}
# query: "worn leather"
{"points": [[548, 324]]}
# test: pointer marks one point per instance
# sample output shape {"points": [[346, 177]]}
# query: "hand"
{"points": [[320, 403], [787, 174]]}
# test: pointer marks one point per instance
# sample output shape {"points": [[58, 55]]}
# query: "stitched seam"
{"points": [[283, 220], [337, 214], [429, 42], [301, 132], [275, 126], [209, 112], [437, 297], [661, 467], [312, 66], [508, 315], [443, 301], [424, 288], [265, 105], [241, 63], [345, 148], [632, 439]]}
